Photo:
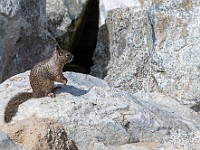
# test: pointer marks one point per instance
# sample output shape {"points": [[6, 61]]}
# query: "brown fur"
{"points": [[42, 77]]}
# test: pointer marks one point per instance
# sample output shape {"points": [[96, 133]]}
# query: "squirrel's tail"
{"points": [[12, 106]]}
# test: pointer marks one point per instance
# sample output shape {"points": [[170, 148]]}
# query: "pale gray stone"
{"points": [[181, 140], [175, 59], [101, 56], [123, 53], [105, 6], [152, 47], [93, 112]]}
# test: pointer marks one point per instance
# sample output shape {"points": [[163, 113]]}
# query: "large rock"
{"points": [[166, 55], [66, 19], [6, 143], [176, 42], [105, 6], [126, 58], [96, 116], [45, 134], [26, 27], [23, 36]]}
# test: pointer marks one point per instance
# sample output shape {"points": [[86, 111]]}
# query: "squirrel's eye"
{"points": [[68, 55]]}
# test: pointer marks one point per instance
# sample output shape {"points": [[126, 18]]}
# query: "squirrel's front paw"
{"points": [[64, 81], [51, 94]]}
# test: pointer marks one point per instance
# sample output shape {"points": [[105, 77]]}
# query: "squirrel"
{"points": [[42, 77]]}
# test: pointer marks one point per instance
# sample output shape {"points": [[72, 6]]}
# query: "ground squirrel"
{"points": [[42, 77]]}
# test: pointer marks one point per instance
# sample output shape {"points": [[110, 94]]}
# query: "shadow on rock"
{"points": [[71, 90]]}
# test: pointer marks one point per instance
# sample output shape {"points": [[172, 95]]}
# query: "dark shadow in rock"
{"points": [[71, 90], [85, 43], [196, 107]]}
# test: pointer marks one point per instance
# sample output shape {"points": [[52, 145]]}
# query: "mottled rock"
{"points": [[166, 55], [26, 28], [6, 143], [66, 19], [105, 6], [94, 114], [181, 140], [125, 55], [175, 60], [133, 146], [24, 40], [45, 134]]}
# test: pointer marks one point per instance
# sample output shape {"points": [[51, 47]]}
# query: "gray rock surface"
{"points": [[105, 6], [6, 143], [96, 115], [154, 47], [181, 140], [128, 52], [26, 27], [23, 39], [101, 56], [175, 59], [66, 19]]}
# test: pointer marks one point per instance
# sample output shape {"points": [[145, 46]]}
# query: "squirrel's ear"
{"points": [[57, 49]]}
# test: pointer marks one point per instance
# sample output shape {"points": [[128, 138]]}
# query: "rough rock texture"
{"points": [[96, 116], [66, 18], [166, 55], [23, 37], [6, 143], [105, 6], [181, 140], [101, 56], [175, 60], [44, 134], [128, 52], [26, 27], [137, 146]]}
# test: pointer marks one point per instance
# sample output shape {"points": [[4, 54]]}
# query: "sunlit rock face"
{"points": [[151, 47], [93, 114]]}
